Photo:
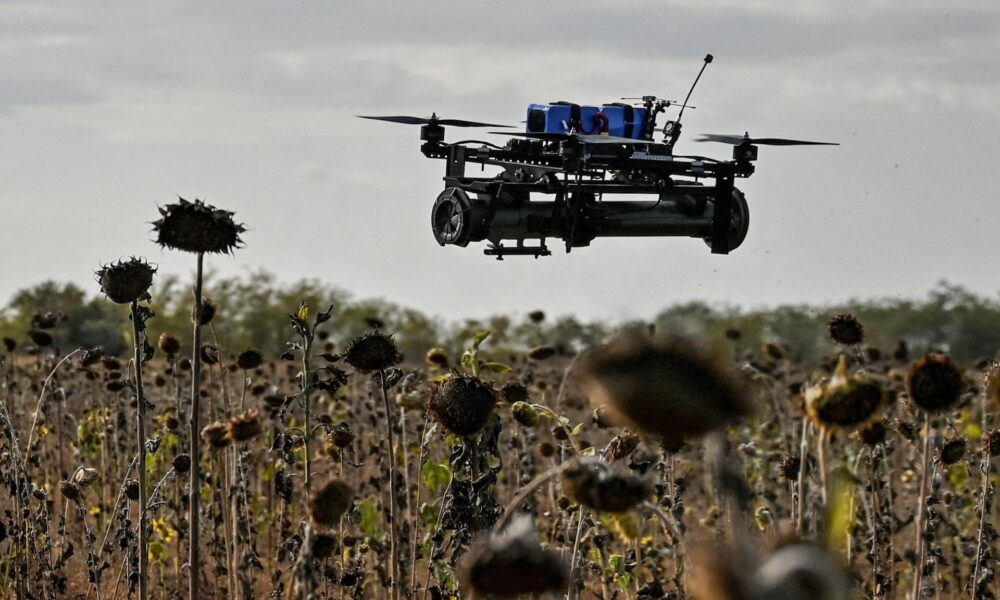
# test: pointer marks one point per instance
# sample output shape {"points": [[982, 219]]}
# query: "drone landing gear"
{"points": [[499, 250]]}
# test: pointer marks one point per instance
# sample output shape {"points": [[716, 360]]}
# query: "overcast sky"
{"points": [[109, 108]]}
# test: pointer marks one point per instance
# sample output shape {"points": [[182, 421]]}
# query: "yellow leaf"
{"points": [[304, 313]]}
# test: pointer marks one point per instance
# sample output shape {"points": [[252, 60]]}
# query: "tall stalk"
{"points": [[922, 508], [137, 328], [393, 513], [194, 487]]}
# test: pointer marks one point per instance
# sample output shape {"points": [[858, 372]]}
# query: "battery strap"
{"points": [[575, 121]]}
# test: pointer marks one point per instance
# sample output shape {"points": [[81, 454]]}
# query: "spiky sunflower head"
{"points": [[126, 281], [789, 467], [245, 427], [372, 351], [182, 463], [436, 357], [514, 392], [934, 383], [463, 405], [600, 487], [249, 359], [524, 413], [216, 434], [513, 563], [132, 489], [845, 402], [846, 329], [670, 388], [197, 227], [169, 344], [953, 451], [621, 446], [40, 337], [70, 490], [330, 502]]}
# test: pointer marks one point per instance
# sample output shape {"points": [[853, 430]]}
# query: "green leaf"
{"points": [[496, 367], [428, 514], [479, 337], [437, 476], [371, 523], [577, 430], [468, 360]]}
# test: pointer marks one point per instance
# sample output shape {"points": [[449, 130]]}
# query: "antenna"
{"points": [[708, 59]]}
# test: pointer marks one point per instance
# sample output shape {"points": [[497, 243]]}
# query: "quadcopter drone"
{"points": [[574, 156]]}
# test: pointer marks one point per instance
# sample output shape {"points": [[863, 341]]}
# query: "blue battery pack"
{"points": [[625, 120], [620, 120]]}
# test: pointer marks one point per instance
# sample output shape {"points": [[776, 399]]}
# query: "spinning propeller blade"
{"points": [[407, 120], [736, 140]]}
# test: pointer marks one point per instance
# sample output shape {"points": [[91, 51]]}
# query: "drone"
{"points": [[578, 158]]}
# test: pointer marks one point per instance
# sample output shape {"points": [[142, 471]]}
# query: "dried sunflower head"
{"points": [[934, 383], [513, 563], [197, 227], [169, 344], [216, 434], [845, 402], [846, 329], [245, 427], [463, 405], [600, 487], [329, 502], [436, 357], [669, 389], [372, 351], [126, 281], [249, 359]]}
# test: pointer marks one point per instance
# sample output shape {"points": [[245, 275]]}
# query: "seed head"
{"points": [[70, 490], [245, 427], [208, 311], [182, 463], [216, 435], [40, 337], [789, 467], [993, 442], [536, 316], [524, 413], [953, 451], [9, 343], [874, 434], [84, 476], [600, 487], [541, 353], [329, 502], [934, 382], [437, 357], [323, 545], [342, 436], [197, 227], [621, 446], [126, 281], [372, 351], [463, 405], [846, 329], [209, 354], [91, 356], [169, 344], [845, 402], [669, 389], [513, 392], [513, 563], [132, 489], [249, 359]]}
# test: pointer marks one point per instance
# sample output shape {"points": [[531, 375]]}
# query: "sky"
{"points": [[109, 109]]}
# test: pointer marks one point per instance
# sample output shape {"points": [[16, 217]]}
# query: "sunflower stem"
{"points": [[922, 507], [194, 487], [141, 467], [393, 545]]}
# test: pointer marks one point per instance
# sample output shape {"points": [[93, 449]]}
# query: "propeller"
{"points": [[587, 139], [433, 120], [736, 140]]}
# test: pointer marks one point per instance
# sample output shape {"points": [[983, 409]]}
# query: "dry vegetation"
{"points": [[647, 467]]}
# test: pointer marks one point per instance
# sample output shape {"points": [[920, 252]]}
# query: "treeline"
{"points": [[253, 313]]}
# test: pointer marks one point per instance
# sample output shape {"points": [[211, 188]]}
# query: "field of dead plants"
{"points": [[646, 466]]}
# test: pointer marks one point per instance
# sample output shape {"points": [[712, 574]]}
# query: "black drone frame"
{"points": [[695, 196]]}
